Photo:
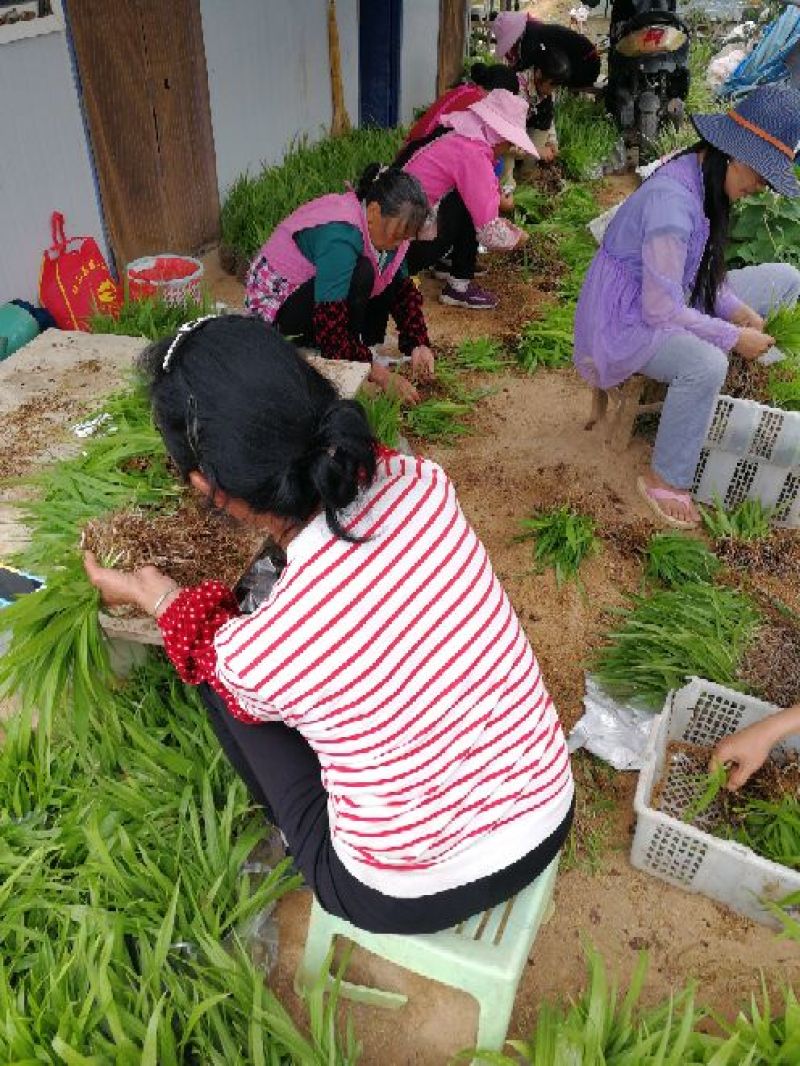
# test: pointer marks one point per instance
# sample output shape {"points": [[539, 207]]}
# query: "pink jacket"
{"points": [[457, 162]]}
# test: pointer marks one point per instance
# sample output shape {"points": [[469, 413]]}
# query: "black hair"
{"points": [[712, 270], [552, 64], [397, 194], [494, 76], [238, 403]]}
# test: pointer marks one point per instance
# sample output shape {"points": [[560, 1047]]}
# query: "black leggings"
{"points": [[456, 231], [369, 315], [283, 776]]}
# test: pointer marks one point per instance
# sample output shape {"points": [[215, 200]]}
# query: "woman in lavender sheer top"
{"points": [[657, 299]]}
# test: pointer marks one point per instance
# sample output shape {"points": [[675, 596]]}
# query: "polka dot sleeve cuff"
{"points": [[189, 625]]}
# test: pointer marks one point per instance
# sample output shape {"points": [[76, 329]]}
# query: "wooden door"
{"points": [[143, 76]]}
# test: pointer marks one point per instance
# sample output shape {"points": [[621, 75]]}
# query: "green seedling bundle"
{"points": [[151, 316], [748, 521], [675, 559], [661, 639], [564, 539], [383, 414]]}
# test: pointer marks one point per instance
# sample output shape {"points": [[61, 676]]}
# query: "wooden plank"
{"points": [[173, 42], [114, 82], [145, 87], [452, 43]]}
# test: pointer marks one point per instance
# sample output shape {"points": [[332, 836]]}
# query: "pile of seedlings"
{"points": [[563, 539]]}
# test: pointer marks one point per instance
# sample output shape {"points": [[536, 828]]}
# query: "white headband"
{"points": [[183, 331]]}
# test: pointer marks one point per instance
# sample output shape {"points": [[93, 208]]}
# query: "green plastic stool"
{"points": [[484, 956]]}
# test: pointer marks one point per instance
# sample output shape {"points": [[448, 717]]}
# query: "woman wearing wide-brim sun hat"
{"points": [[657, 299], [455, 166]]}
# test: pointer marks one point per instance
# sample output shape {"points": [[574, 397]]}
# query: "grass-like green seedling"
{"points": [[662, 639], [547, 341], [749, 520], [437, 419], [150, 317], [483, 354], [564, 539], [784, 325], [383, 415], [674, 559], [712, 784]]}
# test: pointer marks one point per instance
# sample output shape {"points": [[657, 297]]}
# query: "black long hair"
{"points": [[494, 76], [239, 404], [712, 270], [397, 194]]}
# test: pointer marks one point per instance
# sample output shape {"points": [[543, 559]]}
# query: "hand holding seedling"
{"points": [[394, 384], [422, 363], [146, 588], [752, 343], [748, 750]]}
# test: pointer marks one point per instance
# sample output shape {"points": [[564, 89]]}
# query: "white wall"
{"points": [[419, 56], [269, 76], [44, 159]]}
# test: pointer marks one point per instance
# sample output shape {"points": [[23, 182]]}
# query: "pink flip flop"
{"points": [[651, 495]]}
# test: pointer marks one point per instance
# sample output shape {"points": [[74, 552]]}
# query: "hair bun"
{"points": [[341, 456]]}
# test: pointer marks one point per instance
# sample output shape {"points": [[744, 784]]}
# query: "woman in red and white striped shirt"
{"points": [[383, 704]]}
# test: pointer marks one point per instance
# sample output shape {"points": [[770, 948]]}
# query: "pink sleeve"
{"points": [[477, 184], [663, 299]]}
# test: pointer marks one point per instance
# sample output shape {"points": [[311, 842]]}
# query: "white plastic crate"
{"points": [[732, 477], [687, 857], [747, 428]]}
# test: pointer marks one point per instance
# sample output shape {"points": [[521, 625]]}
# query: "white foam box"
{"points": [[681, 854]]}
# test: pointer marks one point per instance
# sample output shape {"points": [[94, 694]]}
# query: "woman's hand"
{"points": [[394, 384], [135, 588], [548, 153], [506, 203], [422, 363], [748, 749], [748, 318], [752, 343], [523, 238]]}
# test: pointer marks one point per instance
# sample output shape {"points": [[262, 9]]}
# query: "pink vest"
{"points": [[280, 267]]}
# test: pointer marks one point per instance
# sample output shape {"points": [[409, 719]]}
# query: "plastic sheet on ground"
{"points": [[613, 730]]}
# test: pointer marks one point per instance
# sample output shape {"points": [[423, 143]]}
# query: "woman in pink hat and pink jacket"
{"points": [[455, 166]]}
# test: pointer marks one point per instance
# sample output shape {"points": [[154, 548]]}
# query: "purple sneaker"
{"points": [[474, 297]]}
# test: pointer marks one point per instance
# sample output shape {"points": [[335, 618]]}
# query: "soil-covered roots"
{"points": [[191, 544]]}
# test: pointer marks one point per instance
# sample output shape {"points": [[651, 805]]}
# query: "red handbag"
{"points": [[75, 281]]}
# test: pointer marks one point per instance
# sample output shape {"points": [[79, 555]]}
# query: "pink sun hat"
{"points": [[507, 28], [506, 114]]}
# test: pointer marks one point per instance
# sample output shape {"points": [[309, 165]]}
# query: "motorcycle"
{"points": [[648, 73]]}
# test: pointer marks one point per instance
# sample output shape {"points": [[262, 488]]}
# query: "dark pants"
{"points": [[369, 315], [283, 776], [456, 231]]}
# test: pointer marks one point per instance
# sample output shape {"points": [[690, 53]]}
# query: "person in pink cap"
{"points": [[455, 166]]}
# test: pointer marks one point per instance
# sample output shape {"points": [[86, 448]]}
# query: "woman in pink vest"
{"points": [[334, 270], [455, 166]]}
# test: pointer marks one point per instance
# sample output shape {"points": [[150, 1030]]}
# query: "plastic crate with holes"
{"points": [[701, 713], [752, 452]]}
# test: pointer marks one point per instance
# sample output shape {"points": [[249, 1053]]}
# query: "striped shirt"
{"points": [[402, 663]]}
